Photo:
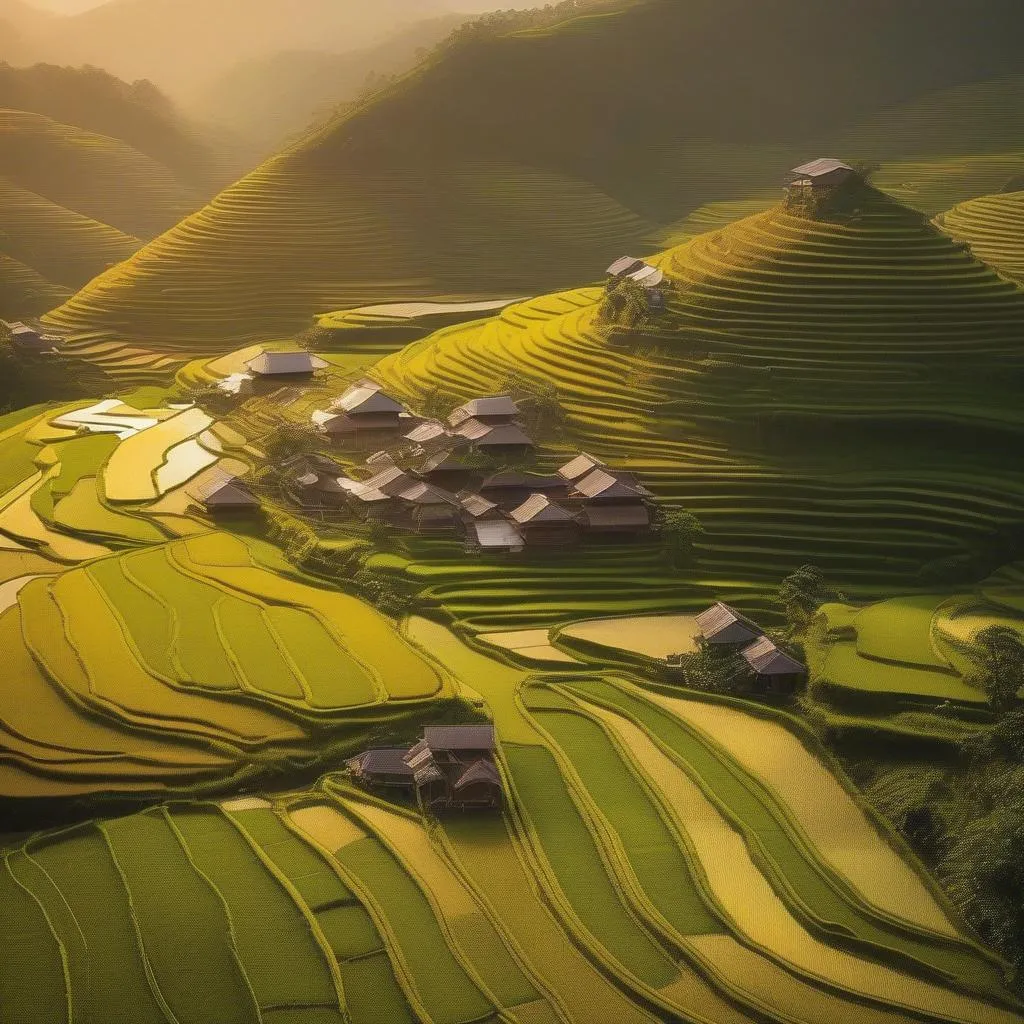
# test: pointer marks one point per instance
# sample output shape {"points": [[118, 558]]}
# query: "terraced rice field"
{"points": [[328, 241], [993, 226], [183, 664], [650, 636], [857, 325], [650, 865]]}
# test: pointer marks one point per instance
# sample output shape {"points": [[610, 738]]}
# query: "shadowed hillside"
{"points": [[454, 180], [841, 389]]}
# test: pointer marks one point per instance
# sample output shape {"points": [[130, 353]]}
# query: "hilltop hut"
{"points": [[825, 172], [454, 769], [493, 410], [541, 522], [225, 494], [281, 365], [29, 340], [722, 624], [638, 271], [612, 504], [775, 672], [383, 769]]}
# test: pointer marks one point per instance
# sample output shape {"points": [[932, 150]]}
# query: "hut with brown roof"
{"points": [[495, 439], [612, 503], [509, 489], [824, 172], [450, 467], [543, 522], [383, 768], [774, 670], [277, 365], [493, 410], [364, 409], [454, 768], [722, 624], [225, 494], [430, 509], [314, 481]]}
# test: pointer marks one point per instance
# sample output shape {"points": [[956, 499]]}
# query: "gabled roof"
{"points": [[421, 493], [579, 467], [361, 492], [766, 659], [447, 459], [510, 480], [224, 490], [476, 505], [366, 397], [479, 771], [499, 434], [494, 405], [279, 363], [459, 737], [601, 484], [539, 508], [383, 761], [624, 265], [430, 430], [428, 772], [604, 516], [720, 617], [498, 535], [391, 480], [818, 168]]}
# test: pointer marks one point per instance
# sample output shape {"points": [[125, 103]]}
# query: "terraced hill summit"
{"points": [[490, 170], [993, 226], [837, 388]]}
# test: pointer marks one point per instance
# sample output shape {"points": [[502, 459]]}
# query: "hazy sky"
{"points": [[65, 6]]}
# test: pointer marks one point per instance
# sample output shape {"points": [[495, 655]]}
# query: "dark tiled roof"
{"points": [[605, 516], [224, 490], [479, 771], [384, 761], [522, 481], [720, 617], [459, 737]]}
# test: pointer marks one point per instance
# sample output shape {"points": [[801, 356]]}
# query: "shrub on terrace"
{"points": [[1002, 658], [802, 593]]}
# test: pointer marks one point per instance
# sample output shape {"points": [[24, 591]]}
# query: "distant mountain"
{"points": [[181, 45], [94, 100], [533, 148], [271, 97]]}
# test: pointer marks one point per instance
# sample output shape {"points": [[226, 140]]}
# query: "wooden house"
{"points": [[279, 365], [774, 670], [508, 490], [362, 410], [825, 172], [612, 504], [314, 481], [225, 494], [28, 339], [721, 624], [638, 271], [454, 769], [428, 435], [478, 509], [543, 522], [449, 467], [494, 410], [383, 768], [430, 509], [495, 439]]}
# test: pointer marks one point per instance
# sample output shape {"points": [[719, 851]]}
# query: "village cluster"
{"points": [[433, 476]]}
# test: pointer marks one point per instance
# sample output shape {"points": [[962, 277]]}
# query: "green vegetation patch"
{"points": [[32, 977], [791, 866], [282, 960], [581, 873], [900, 630], [80, 865], [174, 907], [447, 991], [654, 851]]}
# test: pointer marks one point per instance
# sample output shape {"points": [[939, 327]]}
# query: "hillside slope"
{"points": [[993, 226], [837, 390], [597, 99]]}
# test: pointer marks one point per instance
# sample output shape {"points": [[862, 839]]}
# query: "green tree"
{"points": [[624, 304], [1002, 659], [680, 530], [802, 593]]}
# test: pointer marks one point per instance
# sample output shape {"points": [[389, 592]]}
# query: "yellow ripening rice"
{"points": [[131, 471], [754, 909], [655, 636], [829, 815], [326, 826]]}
